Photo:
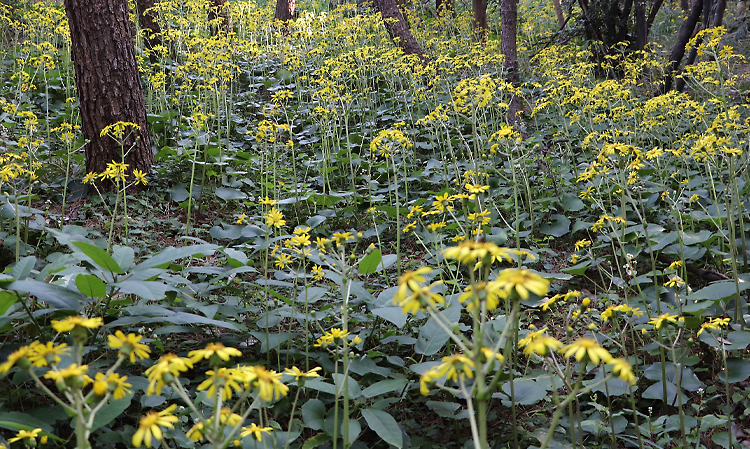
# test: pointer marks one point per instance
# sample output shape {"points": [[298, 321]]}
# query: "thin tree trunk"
{"points": [[479, 23], [678, 51], [707, 22], [641, 25], [151, 29], [285, 10], [108, 84], [559, 12], [396, 26], [445, 8], [652, 15], [509, 49], [217, 17]]}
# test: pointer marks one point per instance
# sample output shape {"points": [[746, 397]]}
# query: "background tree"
{"points": [[509, 48], [396, 26], [285, 10], [107, 81]]}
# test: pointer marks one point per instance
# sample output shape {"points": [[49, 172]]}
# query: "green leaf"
{"points": [[91, 286], [150, 290], [124, 256], [57, 296], [228, 194], [656, 391], [111, 411], [23, 268], [169, 254], [432, 337], [571, 203], [384, 425], [558, 226], [718, 290], [579, 268], [525, 391], [314, 414], [737, 371], [316, 441], [21, 421], [370, 262], [7, 299], [395, 315], [101, 259], [384, 386]]}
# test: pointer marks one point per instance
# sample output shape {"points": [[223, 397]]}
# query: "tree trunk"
{"points": [[678, 51], [108, 84], [641, 25], [396, 26], [151, 29], [559, 12], [445, 8], [285, 10], [479, 11], [217, 17], [509, 49]]}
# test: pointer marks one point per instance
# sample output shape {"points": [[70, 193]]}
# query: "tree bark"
{"points": [[285, 10], [678, 51], [107, 81], [151, 29], [509, 49], [559, 13], [479, 22], [396, 26], [217, 17], [641, 25]]}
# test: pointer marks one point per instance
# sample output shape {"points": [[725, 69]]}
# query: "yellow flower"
{"points": [[256, 431], [130, 345], [23, 434], [196, 432], [282, 260], [623, 370], [297, 373], [436, 226], [523, 282], [73, 371], [713, 324], [658, 321], [20, 356], [624, 308], [269, 385], [166, 370], [213, 348], [90, 177], [140, 177], [410, 280], [118, 384], [581, 244], [482, 217], [268, 202], [275, 218], [317, 272], [476, 188], [538, 342], [43, 354], [338, 237], [150, 426], [587, 348], [224, 379], [421, 299], [71, 322], [331, 337], [241, 218], [471, 251], [475, 294], [674, 282], [489, 354], [454, 366], [321, 244], [409, 227]]}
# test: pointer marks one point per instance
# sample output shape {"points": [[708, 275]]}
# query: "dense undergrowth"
{"points": [[340, 246]]}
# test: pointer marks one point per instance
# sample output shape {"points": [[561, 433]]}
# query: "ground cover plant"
{"points": [[341, 245]]}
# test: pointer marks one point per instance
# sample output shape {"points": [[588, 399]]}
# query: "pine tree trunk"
{"points": [[108, 84], [397, 28]]}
